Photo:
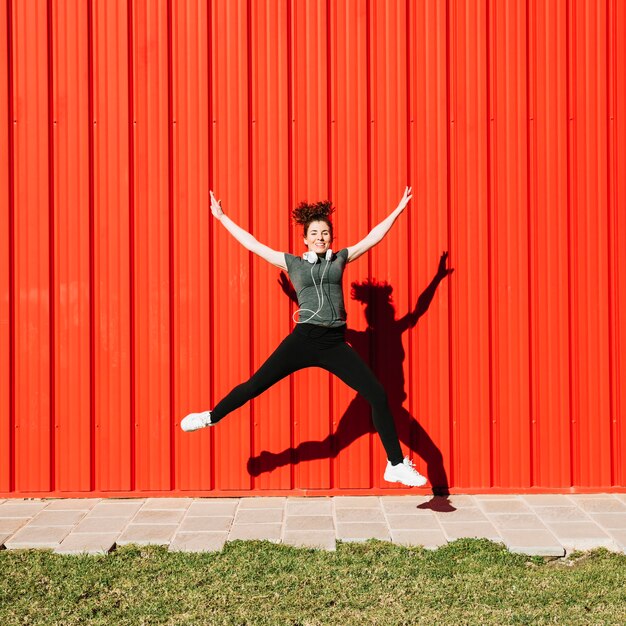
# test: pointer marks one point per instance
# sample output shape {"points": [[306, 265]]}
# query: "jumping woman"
{"points": [[318, 338]]}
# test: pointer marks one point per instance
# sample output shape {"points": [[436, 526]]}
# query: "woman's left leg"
{"points": [[346, 364]]}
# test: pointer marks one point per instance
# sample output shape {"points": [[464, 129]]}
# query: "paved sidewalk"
{"points": [[548, 525]]}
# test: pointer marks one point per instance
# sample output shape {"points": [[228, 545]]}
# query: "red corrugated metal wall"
{"points": [[125, 305]]}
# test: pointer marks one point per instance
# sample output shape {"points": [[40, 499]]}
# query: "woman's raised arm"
{"points": [[378, 232], [245, 238]]}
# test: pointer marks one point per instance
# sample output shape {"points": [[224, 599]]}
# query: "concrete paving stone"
{"points": [[220, 500], [416, 500], [356, 502], [314, 522], [205, 508], [271, 532], [263, 516], [476, 530], [619, 538], [38, 537], [514, 521], [361, 531], [561, 513], [359, 515], [610, 520], [11, 508], [601, 505], [57, 518], [153, 516], [144, 534], [81, 543], [411, 522], [546, 499], [71, 504], [621, 497], [493, 497], [318, 506], [397, 507], [2, 500], [116, 508], [12, 524], [3, 537], [209, 523], [429, 539], [101, 525], [589, 496], [320, 539], [161, 504], [504, 506], [462, 501], [532, 542], [198, 541], [580, 535], [262, 503], [466, 514]]}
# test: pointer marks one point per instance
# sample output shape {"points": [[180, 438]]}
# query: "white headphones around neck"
{"points": [[312, 257]]}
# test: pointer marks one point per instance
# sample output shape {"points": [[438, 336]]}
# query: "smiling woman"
{"points": [[319, 340]]}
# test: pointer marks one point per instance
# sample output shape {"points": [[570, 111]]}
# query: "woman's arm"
{"points": [[245, 238], [378, 232]]}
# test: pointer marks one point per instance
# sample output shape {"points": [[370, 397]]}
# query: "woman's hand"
{"points": [[216, 207], [405, 199], [245, 238]]}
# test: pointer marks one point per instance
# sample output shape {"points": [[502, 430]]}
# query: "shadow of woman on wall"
{"points": [[383, 337]]}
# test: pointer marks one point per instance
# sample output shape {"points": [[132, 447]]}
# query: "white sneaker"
{"points": [[195, 421], [404, 473]]}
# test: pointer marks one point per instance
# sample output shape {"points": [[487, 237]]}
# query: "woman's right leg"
{"points": [[291, 355]]}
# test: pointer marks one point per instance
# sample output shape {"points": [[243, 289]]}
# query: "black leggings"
{"points": [[310, 345]]}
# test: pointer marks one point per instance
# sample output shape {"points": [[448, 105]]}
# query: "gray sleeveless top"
{"points": [[333, 312]]}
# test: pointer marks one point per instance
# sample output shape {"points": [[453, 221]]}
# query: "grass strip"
{"points": [[468, 581]]}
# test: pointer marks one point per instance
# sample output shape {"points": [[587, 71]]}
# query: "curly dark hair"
{"points": [[305, 213]]}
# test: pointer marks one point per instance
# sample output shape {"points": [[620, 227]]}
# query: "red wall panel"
{"points": [[231, 264], [191, 287], [269, 141], [389, 159], [71, 245], [112, 449], [509, 232], [124, 305], [588, 204], [548, 265], [32, 250], [310, 180], [470, 245], [350, 176], [427, 380], [617, 230], [151, 249], [6, 175]]}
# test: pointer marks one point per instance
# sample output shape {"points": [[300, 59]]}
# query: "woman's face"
{"points": [[318, 237]]}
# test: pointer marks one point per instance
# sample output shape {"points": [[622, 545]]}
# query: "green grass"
{"points": [[465, 582]]}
